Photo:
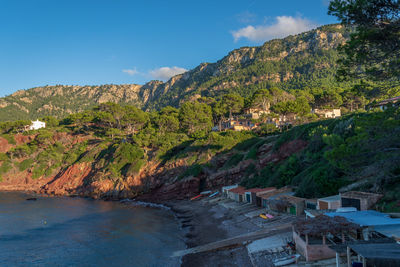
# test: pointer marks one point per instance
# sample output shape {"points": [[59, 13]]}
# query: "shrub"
{"points": [[5, 167], [252, 154], [234, 160], [25, 164]]}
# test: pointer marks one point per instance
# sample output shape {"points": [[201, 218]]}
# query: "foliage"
{"points": [[25, 164], [195, 119], [373, 50]]}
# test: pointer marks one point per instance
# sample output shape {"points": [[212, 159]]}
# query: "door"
{"points": [[293, 210], [351, 202], [248, 197]]}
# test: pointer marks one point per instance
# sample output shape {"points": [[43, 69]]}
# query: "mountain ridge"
{"points": [[306, 59]]}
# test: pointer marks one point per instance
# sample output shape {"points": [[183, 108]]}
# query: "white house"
{"points": [[327, 113], [37, 125]]}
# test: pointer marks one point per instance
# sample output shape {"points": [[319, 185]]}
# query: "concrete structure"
{"points": [[327, 113], [237, 194], [253, 195], [359, 200], [225, 189], [269, 198], [36, 125], [329, 203]]}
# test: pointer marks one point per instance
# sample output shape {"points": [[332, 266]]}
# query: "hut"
{"points": [[225, 189], [253, 195], [359, 200], [237, 194], [269, 199], [293, 205]]}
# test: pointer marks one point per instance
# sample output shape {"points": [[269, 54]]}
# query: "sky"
{"points": [[92, 42]]}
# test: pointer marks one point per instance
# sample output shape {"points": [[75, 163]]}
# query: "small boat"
{"points": [[214, 194], [205, 193], [286, 260], [196, 197], [32, 199], [266, 216]]}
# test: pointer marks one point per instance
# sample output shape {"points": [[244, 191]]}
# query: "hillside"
{"points": [[306, 60], [84, 155]]}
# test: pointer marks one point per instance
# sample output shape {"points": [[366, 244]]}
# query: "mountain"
{"points": [[304, 60]]}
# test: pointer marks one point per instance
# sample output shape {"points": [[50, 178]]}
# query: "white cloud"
{"points": [[131, 72], [284, 26], [164, 73]]}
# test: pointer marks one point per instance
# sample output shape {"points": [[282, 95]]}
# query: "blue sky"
{"points": [[90, 42]]}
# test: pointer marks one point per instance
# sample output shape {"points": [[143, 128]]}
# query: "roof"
{"points": [[330, 199], [290, 198], [238, 190], [315, 213], [377, 250], [389, 230], [366, 217], [257, 190], [227, 187], [359, 194]]}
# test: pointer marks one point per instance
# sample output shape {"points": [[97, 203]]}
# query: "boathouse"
{"points": [[329, 203], [359, 200]]}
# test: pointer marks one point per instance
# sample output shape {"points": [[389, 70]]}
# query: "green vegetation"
{"points": [[337, 153]]}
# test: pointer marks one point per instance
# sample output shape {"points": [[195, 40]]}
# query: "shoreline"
{"points": [[208, 221]]}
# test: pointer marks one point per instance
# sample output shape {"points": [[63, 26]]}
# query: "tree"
{"points": [[195, 119], [168, 120], [373, 51], [328, 99], [133, 119], [232, 103], [261, 99], [50, 121]]}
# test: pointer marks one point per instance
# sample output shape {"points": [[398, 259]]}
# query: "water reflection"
{"points": [[82, 232]]}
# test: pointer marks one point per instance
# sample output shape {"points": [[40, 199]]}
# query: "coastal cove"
{"points": [[64, 231]]}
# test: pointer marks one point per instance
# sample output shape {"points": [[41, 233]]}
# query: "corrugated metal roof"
{"points": [[389, 230], [378, 250], [366, 217], [330, 198]]}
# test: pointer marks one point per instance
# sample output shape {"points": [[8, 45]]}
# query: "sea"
{"points": [[64, 231]]}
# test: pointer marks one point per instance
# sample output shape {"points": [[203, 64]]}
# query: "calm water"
{"points": [[82, 232]]}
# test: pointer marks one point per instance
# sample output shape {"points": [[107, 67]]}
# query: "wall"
{"points": [[312, 252]]}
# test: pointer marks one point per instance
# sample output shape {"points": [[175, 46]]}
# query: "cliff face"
{"points": [[304, 60], [156, 180]]}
